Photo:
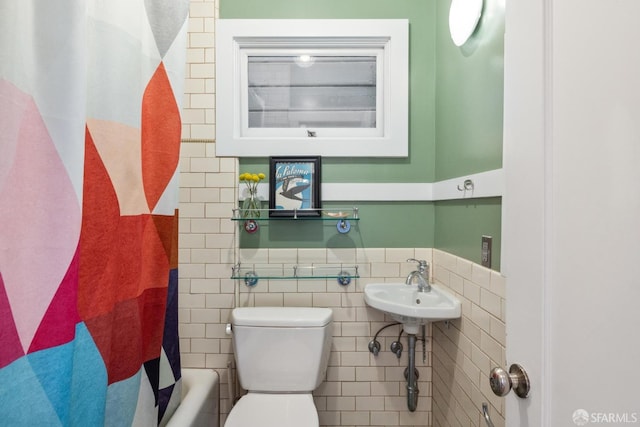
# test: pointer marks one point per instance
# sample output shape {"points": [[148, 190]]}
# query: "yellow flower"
{"points": [[251, 178]]}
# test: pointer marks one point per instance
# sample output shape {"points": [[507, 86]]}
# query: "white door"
{"points": [[571, 211]]}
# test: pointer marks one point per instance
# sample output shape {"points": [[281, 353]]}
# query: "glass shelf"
{"points": [[252, 273], [330, 214]]}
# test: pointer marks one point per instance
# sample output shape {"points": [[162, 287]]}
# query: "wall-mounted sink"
{"points": [[412, 308]]}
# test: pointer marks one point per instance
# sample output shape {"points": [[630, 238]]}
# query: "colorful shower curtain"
{"points": [[89, 146]]}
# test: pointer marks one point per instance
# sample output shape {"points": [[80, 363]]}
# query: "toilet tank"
{"points": [[281, 349]]}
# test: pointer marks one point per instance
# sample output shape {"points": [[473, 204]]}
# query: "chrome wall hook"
{"points": [[467, 185]]}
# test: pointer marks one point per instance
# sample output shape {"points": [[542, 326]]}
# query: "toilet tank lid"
{"points": [[298, 317]]}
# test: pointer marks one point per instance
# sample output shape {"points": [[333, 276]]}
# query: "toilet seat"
{"points": [[274, 410]]}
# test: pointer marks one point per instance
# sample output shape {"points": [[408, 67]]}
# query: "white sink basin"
{"points": [[412, 308]]}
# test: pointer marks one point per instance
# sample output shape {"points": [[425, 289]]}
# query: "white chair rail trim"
{"points": [[485, 184]]}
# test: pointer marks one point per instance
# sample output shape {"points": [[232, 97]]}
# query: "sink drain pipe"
{"points": [[412, 380], [411, 373]]}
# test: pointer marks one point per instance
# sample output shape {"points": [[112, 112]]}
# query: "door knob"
{"points": [[502, 382]]}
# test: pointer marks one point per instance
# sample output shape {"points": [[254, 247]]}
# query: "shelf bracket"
{"points": [[344, 278], [251, 226], [250, 279], [343, 226]]}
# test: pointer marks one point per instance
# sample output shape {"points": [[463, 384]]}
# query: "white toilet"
{"points": [[282, 355]]}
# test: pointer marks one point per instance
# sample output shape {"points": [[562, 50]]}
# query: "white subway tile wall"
{"points": [[360, 389], [198, 109], [465, 350]]}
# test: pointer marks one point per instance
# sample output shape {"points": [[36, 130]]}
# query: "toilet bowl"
{"points": [[281, 356]]}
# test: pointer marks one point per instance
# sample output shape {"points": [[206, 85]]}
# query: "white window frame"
{"points": [[387, 39]]}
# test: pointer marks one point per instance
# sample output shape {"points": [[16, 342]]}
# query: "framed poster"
{"points": [[294, 186]]}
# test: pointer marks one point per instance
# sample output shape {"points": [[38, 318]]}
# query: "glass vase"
{"points": [[251, 205]]}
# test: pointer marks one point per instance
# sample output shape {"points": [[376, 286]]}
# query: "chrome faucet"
{"points": [[421, 275]]}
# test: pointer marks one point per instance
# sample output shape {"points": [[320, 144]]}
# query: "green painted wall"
{"points": [[455, 129], [420, 165], [382, 224], [460, 225], [469, 112], [469, 95]]}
